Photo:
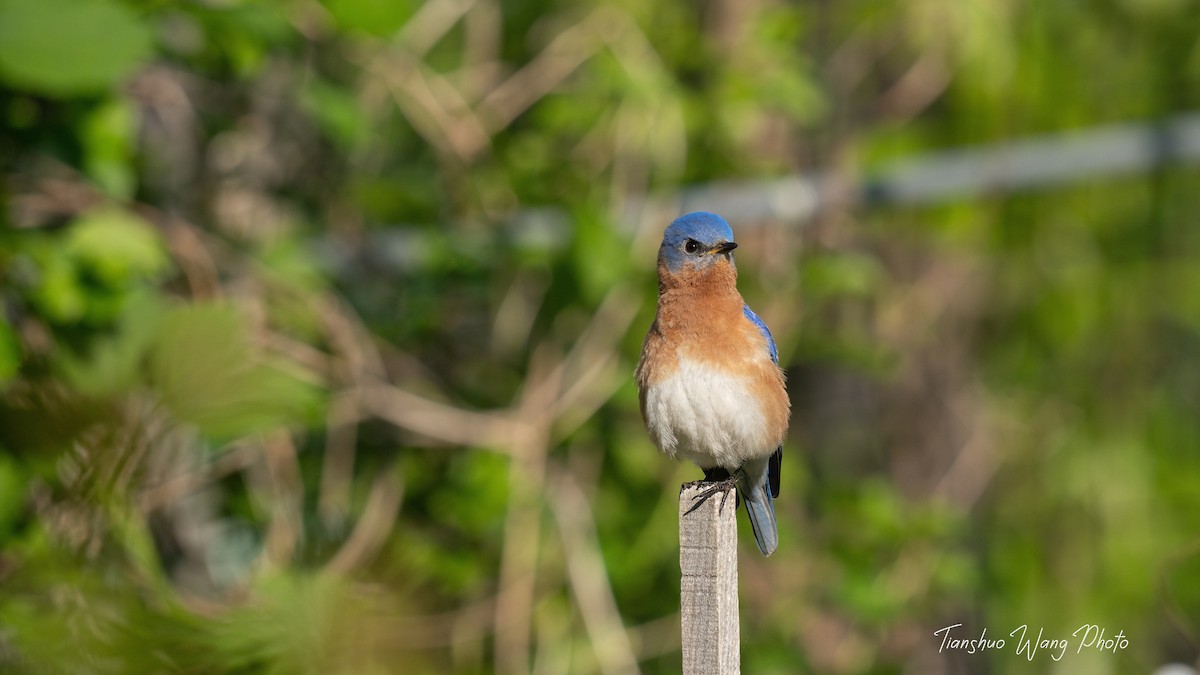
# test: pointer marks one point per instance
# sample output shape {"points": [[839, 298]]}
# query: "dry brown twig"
{"points": [[529, 445], [440, 421], [433, 106], [569, 50], [286, 493], [588, 576], [355, 361], [374, 525], [431, 23]]}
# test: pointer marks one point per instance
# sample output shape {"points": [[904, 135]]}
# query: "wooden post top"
{"points": [[708, 598]]}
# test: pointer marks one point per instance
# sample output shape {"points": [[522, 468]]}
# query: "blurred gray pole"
{"points": [[708, 589], [1015, 165], [1022, 164]]}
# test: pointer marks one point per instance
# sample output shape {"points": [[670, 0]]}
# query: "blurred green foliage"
{"points": [[319, 321], [70, 48]]}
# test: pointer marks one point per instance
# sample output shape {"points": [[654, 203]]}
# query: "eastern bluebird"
{"points": [[708, 381]]}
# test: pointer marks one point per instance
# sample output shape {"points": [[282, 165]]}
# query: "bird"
{"points": [[709, 383]]}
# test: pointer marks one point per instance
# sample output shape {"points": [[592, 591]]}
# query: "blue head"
{"points": [[696, 241]]}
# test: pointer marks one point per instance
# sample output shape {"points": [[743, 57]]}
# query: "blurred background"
{"points": [[320, 321]]}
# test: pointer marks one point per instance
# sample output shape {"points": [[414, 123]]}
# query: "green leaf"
{"points": [[58, 292], [69, 47], [204, 368], [846, 274], [601, 257], [115, 363], [337, 112], [117, 247], [108, 148], [290, 264], [376, 17]]}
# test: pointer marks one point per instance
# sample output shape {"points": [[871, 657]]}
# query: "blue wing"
{"points": [[776, 460], [762, 328]]}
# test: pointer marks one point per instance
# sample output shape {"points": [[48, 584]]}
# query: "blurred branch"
{"points": [[352, 342], [57, 196], [443, 113], [972, 470], [356, 360], [916, 89], [312, 362], [484, 32], [431, 23], [522, 524], [337, 470], [512, 323], [439, 421], [434, 106], [193, 257], [591, 364], [589, 578], [286, 490], [374, 525], [568, 50]]}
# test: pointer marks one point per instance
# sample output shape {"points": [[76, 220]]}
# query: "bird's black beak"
{"points": [[724, 247]]}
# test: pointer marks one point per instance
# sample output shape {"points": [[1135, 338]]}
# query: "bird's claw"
{"points": [[724, 487]]}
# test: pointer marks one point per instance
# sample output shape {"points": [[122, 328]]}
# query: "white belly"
{"points": [[706, 416]]}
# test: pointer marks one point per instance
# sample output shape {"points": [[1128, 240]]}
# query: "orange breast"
{"points": [[700, 320]]}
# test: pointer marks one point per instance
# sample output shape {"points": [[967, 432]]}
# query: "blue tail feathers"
{"points": [[761, 509]]}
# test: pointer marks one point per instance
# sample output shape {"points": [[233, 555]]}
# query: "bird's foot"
{"points": [[722, 487]]}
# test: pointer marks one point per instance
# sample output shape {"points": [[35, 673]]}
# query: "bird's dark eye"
{"points": [[691, 246]]}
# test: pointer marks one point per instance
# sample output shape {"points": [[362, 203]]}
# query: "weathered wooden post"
{"points": [[708, 593]]}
